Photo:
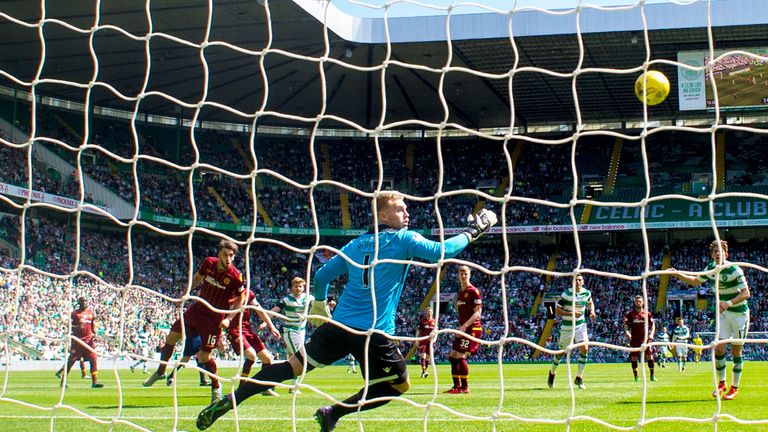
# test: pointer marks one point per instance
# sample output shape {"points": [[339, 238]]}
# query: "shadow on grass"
{"points": [[113, 407], [664, 402], [201, 402]]}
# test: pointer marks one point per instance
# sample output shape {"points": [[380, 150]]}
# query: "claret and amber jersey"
{"points": [[234, 325], [219, 287], [635, 321], [466, 301], [426, 325], [82, 324]]}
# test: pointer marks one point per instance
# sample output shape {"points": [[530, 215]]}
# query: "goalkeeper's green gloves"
{"points": [[319, 307], [480, 223]]}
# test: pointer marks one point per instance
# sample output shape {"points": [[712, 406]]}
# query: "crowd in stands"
{"points": [[732, 62], [541, 171], [411, 167], [151, 289]]}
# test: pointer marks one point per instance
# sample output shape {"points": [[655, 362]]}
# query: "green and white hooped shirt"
{"points": [[292, 307], [732, 282], [568, 300]]}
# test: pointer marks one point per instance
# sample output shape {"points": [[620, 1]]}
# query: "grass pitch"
{"points": [[28, 402]]}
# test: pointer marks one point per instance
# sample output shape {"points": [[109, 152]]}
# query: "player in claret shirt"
{"points": [[84, 328], [469, 303], [426, 326], [253, 347], [222, 288], [634, 329]]}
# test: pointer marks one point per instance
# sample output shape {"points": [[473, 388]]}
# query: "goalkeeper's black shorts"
{"points": [[329, 344]]}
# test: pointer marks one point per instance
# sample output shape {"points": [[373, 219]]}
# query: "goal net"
{"points": [[135, 137]]}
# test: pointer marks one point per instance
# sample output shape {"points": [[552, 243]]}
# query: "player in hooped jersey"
{"points": [[222, 288], [369, 302], [574, 304], [469, 303], [681, 334], [84, 328], [293, 306], [664, 347], [141, 340], [634, 329], [426, 326], [733, 292]]}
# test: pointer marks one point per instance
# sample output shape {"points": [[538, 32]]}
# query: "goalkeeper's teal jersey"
{"points": [[732, 282], [384, 282]]}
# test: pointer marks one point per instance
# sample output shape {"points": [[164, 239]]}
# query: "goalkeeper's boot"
{"points": [[97, 385], [212, 412], [551, 380], [732, 393], [324, 417], [721, 388], [579, 382], [153, 379], [653, 378]]}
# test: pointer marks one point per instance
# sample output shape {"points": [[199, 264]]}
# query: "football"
{"points": [[657, 87]]}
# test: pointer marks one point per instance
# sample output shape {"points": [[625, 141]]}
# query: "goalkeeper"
{"points": [[386, 369]]}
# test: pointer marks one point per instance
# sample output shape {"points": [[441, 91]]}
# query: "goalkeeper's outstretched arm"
{"points": [[433, 251]]}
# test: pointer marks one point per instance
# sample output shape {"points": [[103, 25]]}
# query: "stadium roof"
{"points": [[611, 38]]}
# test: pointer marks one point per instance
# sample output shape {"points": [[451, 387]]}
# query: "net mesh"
{"points": [[123, 294]]}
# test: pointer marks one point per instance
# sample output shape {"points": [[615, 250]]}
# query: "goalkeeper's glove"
{"points": [[319, 307], [480, 223]]}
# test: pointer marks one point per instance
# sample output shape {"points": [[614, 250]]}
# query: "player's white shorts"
{"points": [[579, 334], [734, 325], [664, 350], [145, 352], [294, 341], [682, 351]]}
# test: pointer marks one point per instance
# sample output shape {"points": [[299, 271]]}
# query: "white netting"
{"points": [[82, 276]]}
